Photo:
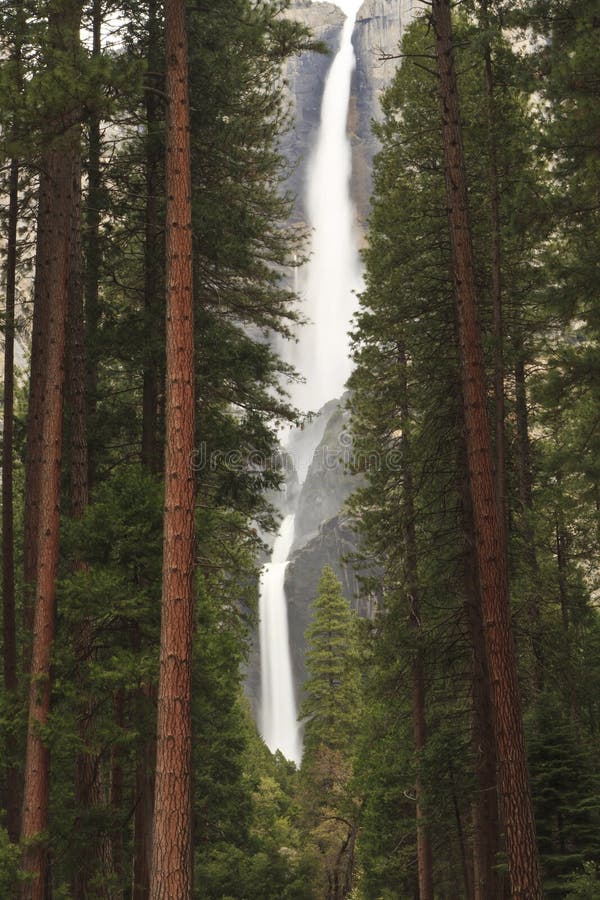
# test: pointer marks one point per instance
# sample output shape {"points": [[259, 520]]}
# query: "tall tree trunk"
{"points": [[35, 407], [9, 621], [486, 825], [172, 838], [35, 802], [515, 792], [424, 856]]}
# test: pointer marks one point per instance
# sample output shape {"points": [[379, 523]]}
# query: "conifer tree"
{"points": [[331, 704], [58, 164], [515, 791], [331, 710], [172, 833], [9, 614]]}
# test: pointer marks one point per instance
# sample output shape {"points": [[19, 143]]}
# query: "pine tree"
{"points": [[515, 792], [331, 704], [331, 710], [172, 833]]}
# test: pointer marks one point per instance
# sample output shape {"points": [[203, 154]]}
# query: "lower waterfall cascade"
{"points": [[278, 723], [328, 282]]}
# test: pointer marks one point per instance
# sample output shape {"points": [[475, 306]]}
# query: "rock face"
{"points": [[305, 76], [377, 33], [328, 482], [323, 531], [324, 534]]}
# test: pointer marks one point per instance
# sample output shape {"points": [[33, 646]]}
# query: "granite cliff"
{"points": [[377, 34], [323, 531]]}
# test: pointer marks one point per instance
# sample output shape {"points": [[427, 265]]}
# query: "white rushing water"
{"points": [[279, 724], [328, 283], [332, 275]]}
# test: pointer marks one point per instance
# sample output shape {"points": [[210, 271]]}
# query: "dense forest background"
{"points": [[405, 786]]}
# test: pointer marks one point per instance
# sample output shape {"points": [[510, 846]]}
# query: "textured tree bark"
{"points": [[424, 855], [35, 802], [486, 824], [172, 838], [9, 622], [515, 794], [37, 378]]}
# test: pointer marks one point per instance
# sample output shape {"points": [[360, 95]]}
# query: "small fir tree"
{"points": [[331, 705]]}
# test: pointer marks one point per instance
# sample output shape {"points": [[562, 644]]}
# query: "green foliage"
{"points": [[331, 706], [566, 789], [586, 885], [405, 351], [10, 861]]}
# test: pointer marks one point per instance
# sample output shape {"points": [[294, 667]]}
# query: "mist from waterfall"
{"points": [[327, 283]]}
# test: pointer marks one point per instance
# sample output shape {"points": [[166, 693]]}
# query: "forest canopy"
{"points": [[451, 737]]}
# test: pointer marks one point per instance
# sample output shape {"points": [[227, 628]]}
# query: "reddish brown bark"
{"points": [[515, 794], [172, 838], [486, 824], [59, 171], [37, 376], [9, 622]]}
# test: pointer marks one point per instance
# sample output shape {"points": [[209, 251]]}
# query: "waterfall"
{"points": [[328, 283], [333, 273], [278, 724]]}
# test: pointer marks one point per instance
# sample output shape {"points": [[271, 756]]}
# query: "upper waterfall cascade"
{"points": [[328, 285], [329, 281]]}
